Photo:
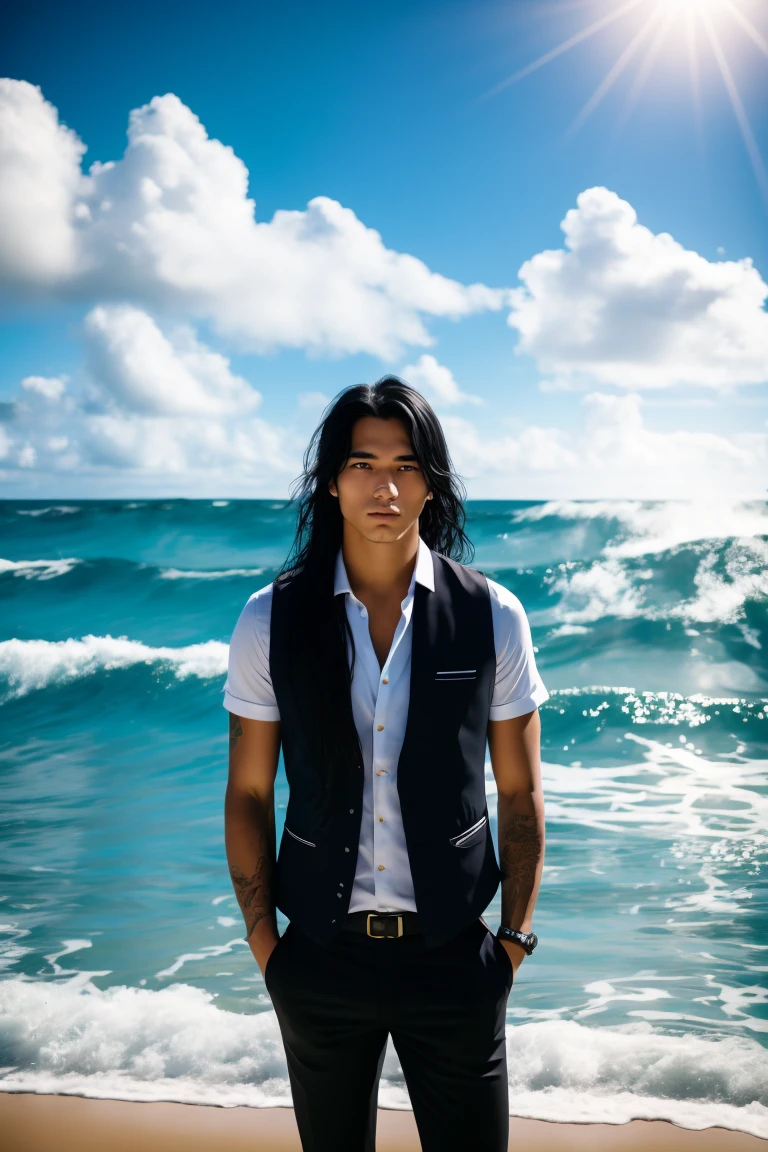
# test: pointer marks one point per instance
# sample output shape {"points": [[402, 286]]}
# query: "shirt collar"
{"points": [[423, 572]]}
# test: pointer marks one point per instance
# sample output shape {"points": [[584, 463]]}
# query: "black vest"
{"points": [[440, 774]]}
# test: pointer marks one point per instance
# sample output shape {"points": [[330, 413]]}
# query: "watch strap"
{"points": [[526, 940]]}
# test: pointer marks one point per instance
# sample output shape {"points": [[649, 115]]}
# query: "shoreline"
{"points": [[35, 1122]]}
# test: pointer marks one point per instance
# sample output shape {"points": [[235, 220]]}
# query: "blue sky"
{"points": [[637, 367]]}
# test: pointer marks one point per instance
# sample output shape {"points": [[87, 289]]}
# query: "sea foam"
{"points": [[176, 1044], [727, 579], [53, 510], [215, 574], [33, 664], [39, 569], [655, 526]]}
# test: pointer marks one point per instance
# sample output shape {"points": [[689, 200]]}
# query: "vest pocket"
{"points": [[469, 835], [301, 840], [450, 675]]}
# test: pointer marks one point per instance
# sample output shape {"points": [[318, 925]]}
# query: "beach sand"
{"points": [[32, 1123]]}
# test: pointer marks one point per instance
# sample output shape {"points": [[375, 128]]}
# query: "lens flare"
{"points": [[695, 24]]}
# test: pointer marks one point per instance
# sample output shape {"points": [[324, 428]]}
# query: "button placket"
{"points": [[381, 842], [378, 680], [380, 717]]}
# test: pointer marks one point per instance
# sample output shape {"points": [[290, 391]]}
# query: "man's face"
{"points": [[381, 487]]}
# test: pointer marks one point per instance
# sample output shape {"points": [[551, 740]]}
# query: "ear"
{"points": [[332, 488]]}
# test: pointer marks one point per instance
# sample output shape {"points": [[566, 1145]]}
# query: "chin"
{"points": [[377, 527]]}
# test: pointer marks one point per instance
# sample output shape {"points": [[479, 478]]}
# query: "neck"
{"points": [[379, 568]]}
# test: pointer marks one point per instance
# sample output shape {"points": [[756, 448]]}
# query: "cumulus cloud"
{"points": [[52, 387], [616, 436], [109, 429], [147, 372], [171, 225], [153, 405], [494, 458], [437, 382], [613, 452], [625, 306], [40, 160]]}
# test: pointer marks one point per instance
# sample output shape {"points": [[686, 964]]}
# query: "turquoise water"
{"points": [[124, 972]]}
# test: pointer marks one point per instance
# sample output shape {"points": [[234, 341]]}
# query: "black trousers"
{"points": [[445, 1008]]}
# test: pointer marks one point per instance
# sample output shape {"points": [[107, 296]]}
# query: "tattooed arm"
{"points": [[515, 756], [249, 827]]}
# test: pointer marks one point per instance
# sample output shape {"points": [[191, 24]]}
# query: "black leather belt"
{"points": [[383, 925]]}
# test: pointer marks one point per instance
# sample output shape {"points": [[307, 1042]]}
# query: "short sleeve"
{"points": [[519, 688], [248, 689]]}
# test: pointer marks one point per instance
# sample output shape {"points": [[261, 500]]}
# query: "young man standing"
{"points": [[382, 664]]}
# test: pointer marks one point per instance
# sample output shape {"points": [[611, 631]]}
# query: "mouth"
{"points": [[385, 515]]}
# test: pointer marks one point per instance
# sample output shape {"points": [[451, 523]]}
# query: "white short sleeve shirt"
{"points": [[380, 707]]}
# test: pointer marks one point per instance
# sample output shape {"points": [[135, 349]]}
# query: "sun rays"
{"points": [[695, 23]]}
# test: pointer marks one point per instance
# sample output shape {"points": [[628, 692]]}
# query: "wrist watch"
{"points": [[526, 940]]}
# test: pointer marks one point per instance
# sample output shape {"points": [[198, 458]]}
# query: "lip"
{"points": [[387, 515]]}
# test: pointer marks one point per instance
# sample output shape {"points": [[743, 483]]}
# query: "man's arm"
{"points": [[516, 760], [249, 827]]}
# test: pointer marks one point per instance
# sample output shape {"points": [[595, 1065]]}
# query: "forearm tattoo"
{"points": [[253, 893], [235, 730], [520, 854], [251, 839]]}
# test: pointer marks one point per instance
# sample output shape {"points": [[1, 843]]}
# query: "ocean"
{"points": [[124, 969]]}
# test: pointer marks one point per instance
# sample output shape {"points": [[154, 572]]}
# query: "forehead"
{"points": [[380, 436]]}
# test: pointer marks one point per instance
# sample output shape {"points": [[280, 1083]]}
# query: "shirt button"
{"points": [[346, 849], [381, 818], [351, 811], [379, 727], [381, 867], [385, 680], [379, 772]]}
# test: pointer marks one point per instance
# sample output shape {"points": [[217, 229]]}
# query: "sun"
{"points": [[691, 23]]}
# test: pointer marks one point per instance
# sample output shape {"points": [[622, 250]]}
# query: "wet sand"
{"points": [[32, 1123]]}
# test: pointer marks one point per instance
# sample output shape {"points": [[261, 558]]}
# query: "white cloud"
{"points": [[27, 456], [171, 225], [184, 446], [614, 454], [157, 407], [40, 162], [635, 459], [436, 382], [492, 459], [625, 306], [52, 387], [106, 433], [147, 372], [617, 438], [313, 402]]}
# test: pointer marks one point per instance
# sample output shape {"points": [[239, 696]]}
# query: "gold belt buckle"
{"points": [[384, 937]]}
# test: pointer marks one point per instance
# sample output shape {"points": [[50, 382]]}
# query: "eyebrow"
{"points": [[359, 454]]}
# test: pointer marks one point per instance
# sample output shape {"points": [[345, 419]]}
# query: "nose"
{"points": [[386, 489]]}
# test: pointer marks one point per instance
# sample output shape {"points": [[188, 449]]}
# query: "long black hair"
{"points": [[319, 619]]}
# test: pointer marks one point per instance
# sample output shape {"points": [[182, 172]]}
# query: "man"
{"points": [[382, 665]]}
